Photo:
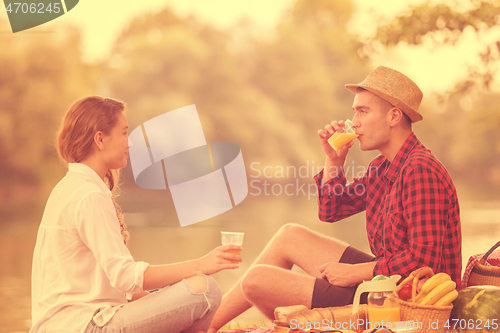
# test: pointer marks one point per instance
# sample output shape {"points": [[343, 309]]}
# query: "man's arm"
{"points": [[335, 200]]}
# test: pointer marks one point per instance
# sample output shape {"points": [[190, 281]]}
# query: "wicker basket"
{"points": [[427, 318], [485, 275]]}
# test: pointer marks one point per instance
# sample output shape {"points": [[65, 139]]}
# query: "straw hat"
{"points": [[395, 88]]}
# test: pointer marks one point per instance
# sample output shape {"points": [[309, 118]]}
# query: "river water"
{"points": [[157, 238]]}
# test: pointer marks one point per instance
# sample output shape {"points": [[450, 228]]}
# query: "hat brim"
{"points": [[412, 114]]}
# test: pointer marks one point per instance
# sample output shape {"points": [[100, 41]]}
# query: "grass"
{"points": [[241, 324]]}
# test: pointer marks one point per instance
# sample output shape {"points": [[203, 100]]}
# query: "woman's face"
{"points": [[116, 144]]}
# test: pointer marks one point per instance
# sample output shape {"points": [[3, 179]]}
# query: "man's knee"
{"points": [[291, 230], [292, 233], [253, 281], [197, 284]]}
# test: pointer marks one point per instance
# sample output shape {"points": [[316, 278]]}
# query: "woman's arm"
{"points": [[159, 276]]}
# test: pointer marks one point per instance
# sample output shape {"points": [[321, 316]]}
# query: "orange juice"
{"points": [[339, 140], [238, 252], [378, 314]]}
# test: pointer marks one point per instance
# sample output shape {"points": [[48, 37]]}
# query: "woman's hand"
{"points": [[218, 259], [159, 276]]}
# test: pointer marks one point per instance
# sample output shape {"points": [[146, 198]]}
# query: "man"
{"points": [[412, 213]]}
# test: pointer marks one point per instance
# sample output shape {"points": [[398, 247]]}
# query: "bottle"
{"points": [[383, 301]]}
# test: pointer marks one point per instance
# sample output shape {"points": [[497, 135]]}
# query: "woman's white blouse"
{"points": [[80, 263]]}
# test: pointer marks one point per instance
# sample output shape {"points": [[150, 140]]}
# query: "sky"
{"points": [[434, 70]]}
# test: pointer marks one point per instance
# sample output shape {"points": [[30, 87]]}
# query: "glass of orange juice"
{"points": [[235, 238], [340, 139]]}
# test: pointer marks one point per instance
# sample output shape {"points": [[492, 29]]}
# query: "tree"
{"points": [[461, 125], [258, 96], [41, 76], [439, 24], [305, 66]]}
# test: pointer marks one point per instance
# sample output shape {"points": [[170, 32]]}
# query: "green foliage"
{"points": [[461, 127], [41, 75], [462, 132], [157, 67], [430, 19], [323, 14], [434, 25], [278, 91], [267, 94]]}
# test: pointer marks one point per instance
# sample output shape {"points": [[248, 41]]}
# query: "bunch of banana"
{"points": [[438, 290]]}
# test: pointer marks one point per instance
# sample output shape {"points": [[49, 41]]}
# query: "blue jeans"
{"points": [[172, 309]]}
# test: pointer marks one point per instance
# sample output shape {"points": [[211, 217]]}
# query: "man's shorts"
{"points": [[327, 295]]}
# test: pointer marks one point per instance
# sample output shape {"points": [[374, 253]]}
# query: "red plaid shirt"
{"points": [[412, 213]]}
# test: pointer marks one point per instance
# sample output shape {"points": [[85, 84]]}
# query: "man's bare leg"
{"points": [[281, 288], [292, 244]]}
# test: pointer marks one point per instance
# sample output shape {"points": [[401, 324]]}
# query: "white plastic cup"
{"points": [[235, 238]]}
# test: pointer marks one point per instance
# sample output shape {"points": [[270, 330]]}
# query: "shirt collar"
{"points": [[394, 168], [89, 172]]}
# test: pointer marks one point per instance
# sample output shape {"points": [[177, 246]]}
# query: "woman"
{"points": [[84, 278]]}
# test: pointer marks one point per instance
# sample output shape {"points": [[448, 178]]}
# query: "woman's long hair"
{"points": [[83, 120]]}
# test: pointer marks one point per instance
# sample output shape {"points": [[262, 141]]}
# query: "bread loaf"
{"points": [[281, 313], [320, 318], [313, 316], [325, 313]]}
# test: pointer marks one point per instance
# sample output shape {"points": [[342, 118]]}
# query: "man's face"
{"points": [[371, 118]]}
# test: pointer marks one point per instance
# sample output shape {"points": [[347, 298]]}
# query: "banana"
{"points": [[435, 294], [447, 299], [432, 283]]}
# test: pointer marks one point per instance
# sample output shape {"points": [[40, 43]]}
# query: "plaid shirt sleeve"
{"points": [[336, 200], [419, 224]]}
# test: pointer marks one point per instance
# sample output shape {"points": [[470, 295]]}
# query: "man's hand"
{"points": [[345, 275], [324, 135], [334, 159]]}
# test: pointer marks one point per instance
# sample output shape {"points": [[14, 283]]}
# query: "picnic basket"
{"points": [[482, 274], [423, 314]]}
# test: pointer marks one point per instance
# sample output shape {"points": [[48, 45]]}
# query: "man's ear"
{"points": [[395, 116], [98, 140]]}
